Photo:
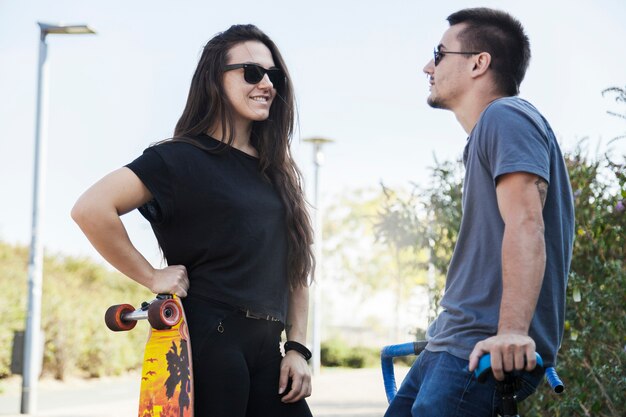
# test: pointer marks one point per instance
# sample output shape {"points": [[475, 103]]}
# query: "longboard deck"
{"points": [[167, 373]]}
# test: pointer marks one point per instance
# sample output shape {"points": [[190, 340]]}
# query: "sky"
{"points": [[357, 71]]}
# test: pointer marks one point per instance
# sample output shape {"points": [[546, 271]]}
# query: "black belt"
{"points": [[257, 316]]}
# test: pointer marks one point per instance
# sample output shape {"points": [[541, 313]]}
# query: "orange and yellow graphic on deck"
{"points": [[167, 380]]}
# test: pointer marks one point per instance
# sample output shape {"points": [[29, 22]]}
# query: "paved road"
{"points": [[336, 393]]}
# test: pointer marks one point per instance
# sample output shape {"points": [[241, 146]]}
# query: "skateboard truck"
{"points": [[162, 313]]}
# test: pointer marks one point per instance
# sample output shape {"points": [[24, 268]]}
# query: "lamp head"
{"points": [[48, 28]]}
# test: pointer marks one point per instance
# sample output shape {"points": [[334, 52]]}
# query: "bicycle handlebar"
{"points": [[415, 348], [386, 361], [554, 380], [484, 366]]}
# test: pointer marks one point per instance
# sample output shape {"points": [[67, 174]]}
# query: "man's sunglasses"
{"points": [[440, 54], [253, 74]]}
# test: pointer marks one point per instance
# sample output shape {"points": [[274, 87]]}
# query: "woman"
{"points": [[225, 201]]}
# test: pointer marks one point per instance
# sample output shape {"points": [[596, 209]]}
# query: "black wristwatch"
{"points": [[298, 347]]}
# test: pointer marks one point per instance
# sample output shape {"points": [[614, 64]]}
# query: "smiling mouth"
{"points": [[260, 99]]}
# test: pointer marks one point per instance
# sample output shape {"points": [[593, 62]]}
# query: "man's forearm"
{"points": [[523, 267]]}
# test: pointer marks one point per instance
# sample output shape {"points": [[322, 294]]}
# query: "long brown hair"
{"points": [[207, 107]]}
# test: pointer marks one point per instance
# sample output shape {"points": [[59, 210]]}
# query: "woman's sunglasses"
{"points": [[253, 74]]}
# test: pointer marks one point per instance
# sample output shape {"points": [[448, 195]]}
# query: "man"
{"points": [[505, 289]]}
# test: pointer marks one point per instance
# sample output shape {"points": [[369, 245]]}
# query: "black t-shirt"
{"points": [[217, 215]]}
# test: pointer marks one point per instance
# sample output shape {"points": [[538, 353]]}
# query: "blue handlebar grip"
{"points": [[386, 361], [484, 366], [554, 380]]}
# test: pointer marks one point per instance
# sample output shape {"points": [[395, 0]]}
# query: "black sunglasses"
{"points": [[253, 74], [440, 54]]}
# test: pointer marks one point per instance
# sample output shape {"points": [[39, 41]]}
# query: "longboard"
{"points": [[167, 372]]}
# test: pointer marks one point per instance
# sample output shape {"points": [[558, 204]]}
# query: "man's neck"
{"points": [[469, 111]]}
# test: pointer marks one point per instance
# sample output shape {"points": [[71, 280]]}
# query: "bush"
{"points": [[76, 293], [333, 352], [336, 352], [592, 358]]}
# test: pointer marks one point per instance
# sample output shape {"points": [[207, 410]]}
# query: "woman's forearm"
{"points": [[297, 315]]}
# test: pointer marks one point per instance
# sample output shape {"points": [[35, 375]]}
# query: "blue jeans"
{"points": [[440, 385]]}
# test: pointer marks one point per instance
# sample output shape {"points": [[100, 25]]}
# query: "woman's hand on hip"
{"points": [[170, 280], [294, 367]]}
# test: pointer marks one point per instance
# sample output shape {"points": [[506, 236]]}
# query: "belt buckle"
{"points": [[251, 315]]}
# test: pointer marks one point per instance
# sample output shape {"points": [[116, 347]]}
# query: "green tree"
{"points": [[443, 205], [357, 254], [398, 227], [424, 225]]}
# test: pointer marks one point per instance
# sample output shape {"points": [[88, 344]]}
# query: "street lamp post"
{"points": [[318, 161], [32, 335]]}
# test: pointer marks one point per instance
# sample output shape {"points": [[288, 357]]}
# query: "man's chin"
{"points": [[434, 103]]}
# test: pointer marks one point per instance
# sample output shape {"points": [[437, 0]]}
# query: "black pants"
{"points": [[236, 368]]}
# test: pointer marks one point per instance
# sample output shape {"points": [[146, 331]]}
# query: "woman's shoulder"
{"points": [[174, 146]]}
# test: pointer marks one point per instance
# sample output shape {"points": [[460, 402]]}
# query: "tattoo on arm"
{"points": [[542, 187]]}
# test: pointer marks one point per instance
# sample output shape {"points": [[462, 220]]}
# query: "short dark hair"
{"points": [[503, 37]]}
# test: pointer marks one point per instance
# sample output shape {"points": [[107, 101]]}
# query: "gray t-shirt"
{"points": [[510, 136]]}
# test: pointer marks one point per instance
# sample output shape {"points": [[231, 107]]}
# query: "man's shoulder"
{"points": [[511, 112], [510, 106]]}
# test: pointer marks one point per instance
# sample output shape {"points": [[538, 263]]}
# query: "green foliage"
{"points": [[426, 222], [13, 263], [398, 223], [442, 201], [348, 243], [335, 352], [76, 293], [365, 251], [592, 358], [354, 245]]}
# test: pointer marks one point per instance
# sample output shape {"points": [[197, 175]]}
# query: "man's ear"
{"points": [[482, 61]]}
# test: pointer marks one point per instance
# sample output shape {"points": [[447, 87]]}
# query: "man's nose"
{"points": [[429, 68]]}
